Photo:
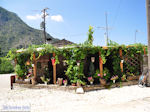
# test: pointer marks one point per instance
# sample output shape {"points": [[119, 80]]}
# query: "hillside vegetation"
{"points": [[14, 33]]}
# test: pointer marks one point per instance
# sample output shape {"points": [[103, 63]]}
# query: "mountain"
{"points": [[14, 33]]}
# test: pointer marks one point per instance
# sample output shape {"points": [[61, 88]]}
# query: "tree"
{"points": [[0, 52]]}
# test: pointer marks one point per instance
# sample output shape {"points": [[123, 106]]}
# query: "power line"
{"points": [[117, 13]]}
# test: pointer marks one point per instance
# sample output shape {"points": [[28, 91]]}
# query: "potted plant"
{"points": [[33, 80], [106, 74], [80, 82], [28, 78], [65, 82], [131, 76], [114, 78], [123, 78], [101, 79], [73, 82], [60, 81], [91, 80], [45, 80]]}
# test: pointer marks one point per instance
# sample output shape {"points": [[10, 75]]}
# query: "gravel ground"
{"points": [[125, 99]]}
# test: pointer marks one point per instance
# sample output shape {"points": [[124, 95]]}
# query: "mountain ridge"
{"points": [[15, 33]]}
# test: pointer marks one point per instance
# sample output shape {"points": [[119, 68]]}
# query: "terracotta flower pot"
{"points": [[131, 78], [33, 81], [123, 79], [60, 81], [102, 81], [78, 84], [73, 84]]}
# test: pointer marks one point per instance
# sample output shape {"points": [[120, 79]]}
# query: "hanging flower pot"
{"points": [[53, 60], [28, 62], [32, 65], [64, 62], [78, 63], [92, 59], [122, 61]]}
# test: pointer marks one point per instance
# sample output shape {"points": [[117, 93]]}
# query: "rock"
{"points": [[80, 90]]}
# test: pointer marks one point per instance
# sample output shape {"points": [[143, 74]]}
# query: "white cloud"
{"points": [[57, 18], [33, 17]]}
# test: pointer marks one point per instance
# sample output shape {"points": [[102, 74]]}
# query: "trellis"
{"points": [[134, 61]]}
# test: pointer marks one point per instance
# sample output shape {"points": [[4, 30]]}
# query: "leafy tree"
{"points": [[5, 66], [90, 36], [0, 52]]}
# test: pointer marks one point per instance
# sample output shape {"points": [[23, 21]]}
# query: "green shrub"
{"points": [[6, 66], [20, 72]]}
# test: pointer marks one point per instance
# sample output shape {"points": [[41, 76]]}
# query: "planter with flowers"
{"points": [[103, 78], [60, 81], [124, 78], [45, 80], [114, 78], [65, 82], [91, 80], [131, 77]]}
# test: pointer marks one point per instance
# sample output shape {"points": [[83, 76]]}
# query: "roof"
{"points": [[61, 43]]}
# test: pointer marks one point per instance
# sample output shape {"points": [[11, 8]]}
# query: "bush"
{"points": [[5, 66], [20, 72]]}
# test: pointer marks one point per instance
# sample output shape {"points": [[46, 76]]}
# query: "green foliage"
{"points": [[5, 66], [90, 36], [116, 62], [112, 43], [19, 71], [106, 74], [44, 79], [0, 52], [96, 74]]}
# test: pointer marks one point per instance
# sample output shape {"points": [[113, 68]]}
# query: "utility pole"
{"points": [[148, 36], [106, 28], [43, 24], [135, 36]]}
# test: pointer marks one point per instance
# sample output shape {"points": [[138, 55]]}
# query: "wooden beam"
{"points": [[34, 67], [15, 61], [100, 64], [144, 50], [54, 71], [121, 63]]}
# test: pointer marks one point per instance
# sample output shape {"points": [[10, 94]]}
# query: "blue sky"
{"points": [[70, 19]]}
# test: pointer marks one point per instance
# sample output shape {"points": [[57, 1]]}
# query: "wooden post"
{"points": [[144, 51], [54, 71], [15, 60], [100, 64], [121, 63], [34, 67]]}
